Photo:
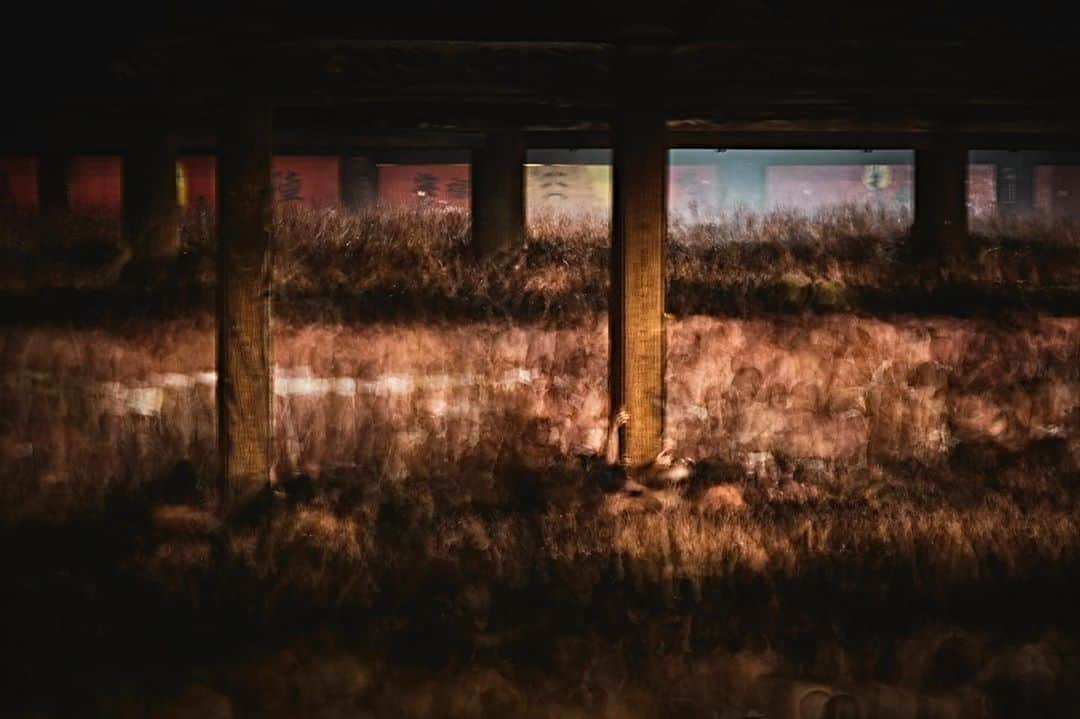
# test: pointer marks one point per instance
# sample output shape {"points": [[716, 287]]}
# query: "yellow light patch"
{"points": [[181, 186]]}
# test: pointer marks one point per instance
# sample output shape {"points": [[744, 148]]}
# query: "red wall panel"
{"points": [[96, 184], [18, 184], [308, 180], [419, 185], [196, 182], [1057, 190]]}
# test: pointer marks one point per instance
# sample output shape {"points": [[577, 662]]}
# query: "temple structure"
{"points": [[427, 105]]}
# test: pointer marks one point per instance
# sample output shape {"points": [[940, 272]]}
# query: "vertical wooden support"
{"points": [[639, 227], [941, 199], [244, 385], [359, 182], [151, 209], [53, 182], [498, 192]]}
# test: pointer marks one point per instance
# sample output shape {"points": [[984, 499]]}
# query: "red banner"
{"points": [[424, 185], [96, 184]]}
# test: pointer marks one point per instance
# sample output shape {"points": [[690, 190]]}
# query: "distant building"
{"points": [[701, 183]]}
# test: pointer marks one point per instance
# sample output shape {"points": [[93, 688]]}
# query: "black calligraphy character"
{"points": [[287, 185], [458, 189]]}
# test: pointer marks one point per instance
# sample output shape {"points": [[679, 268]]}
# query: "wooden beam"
{"points": [[844, 133], [864, 139], [53, 170], [941, 198], [243, 311], [498, 192], [639, 225], [318, 140], [797, 140], [568, 139], [151, 210]]}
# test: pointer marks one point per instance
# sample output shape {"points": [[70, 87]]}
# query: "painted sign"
{"points": [[575, 190], [303, 180], [877, 177], [445, 185], [306, 180], [95, 185], [811, 188]]}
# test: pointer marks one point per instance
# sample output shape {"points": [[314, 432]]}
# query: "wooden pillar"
{"points": [[359, 182], [151, 209], [53, 182], [639, 227], [498, 192], [941, 198], [245, 205]]}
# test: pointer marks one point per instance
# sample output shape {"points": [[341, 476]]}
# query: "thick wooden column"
{"points": [[359, 182], [498, 192], [151, 210], [639, 228], [245, 207], [941, 198], [53, 182]]}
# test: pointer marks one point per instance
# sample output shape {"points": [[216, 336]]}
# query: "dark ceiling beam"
{"points": [[739, 123], [554, 139], [785, 140], [330, 142], [314, 142]]}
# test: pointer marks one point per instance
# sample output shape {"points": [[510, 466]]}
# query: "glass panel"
{"points": [[1024, 195], [713, 186]]}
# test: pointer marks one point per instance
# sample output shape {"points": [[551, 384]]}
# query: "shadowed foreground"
{"points": [[556, 599]]}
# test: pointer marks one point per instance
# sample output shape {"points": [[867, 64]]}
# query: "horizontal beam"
{"points": [[789, 140], [330, 142], [810, 139], [848, 140], [106, 140], [597, 139], [312, 142]]}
